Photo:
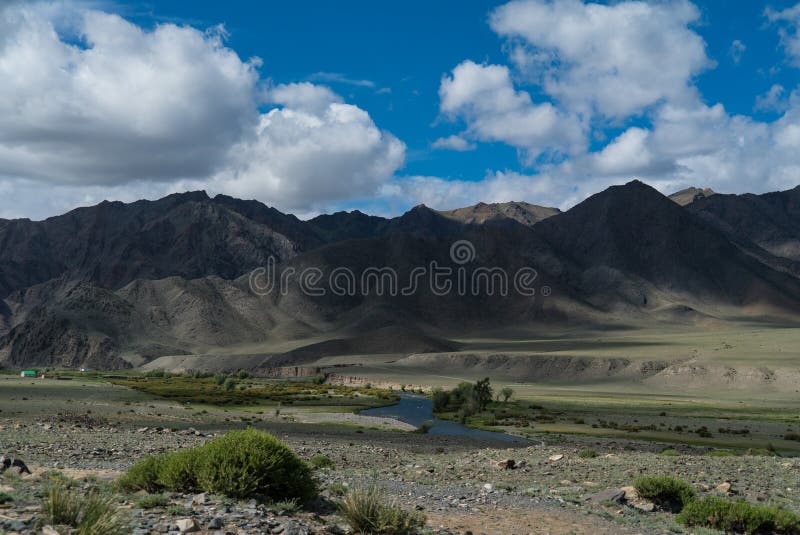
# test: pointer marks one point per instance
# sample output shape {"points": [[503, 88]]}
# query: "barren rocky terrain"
{"points": [[462, 484]]}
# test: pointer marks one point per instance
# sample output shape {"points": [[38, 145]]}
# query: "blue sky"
{"points": [[404, 47], [407, 47], [380, 106]]}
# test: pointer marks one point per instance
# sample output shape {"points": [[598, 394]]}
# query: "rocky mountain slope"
{"points": [[689, 195], [113, 244], [771, 220], [121, 284], [521, 212]]}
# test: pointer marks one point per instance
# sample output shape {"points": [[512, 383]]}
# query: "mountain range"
{"points": [[117, 285]]}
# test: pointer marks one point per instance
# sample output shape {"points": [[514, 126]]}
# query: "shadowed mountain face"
{"points": [[633, 235], [771, 220], [112, 244], [118, 284], [353, 225]]}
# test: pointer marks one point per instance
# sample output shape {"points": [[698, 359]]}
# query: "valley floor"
{"points": [[95, 429]]}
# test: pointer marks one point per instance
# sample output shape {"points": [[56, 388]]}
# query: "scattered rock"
{"points": [[507, 464], [187, 525], [554, 458], [633, 499], [608, 495], [725, 488], [14, 464]]}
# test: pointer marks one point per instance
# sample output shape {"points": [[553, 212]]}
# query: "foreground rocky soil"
{"points": [[461, 485]]}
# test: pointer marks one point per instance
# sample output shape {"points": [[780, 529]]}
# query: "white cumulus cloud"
{"points": [[616, 59], [312, 150], [484, 97], [119, 105], [788, 21], [456, 143], [90, 102]]}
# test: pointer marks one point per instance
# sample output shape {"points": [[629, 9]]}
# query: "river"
{"points": [[416, 409]]}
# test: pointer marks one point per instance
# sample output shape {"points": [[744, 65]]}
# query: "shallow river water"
{"points": [[416, 409]]}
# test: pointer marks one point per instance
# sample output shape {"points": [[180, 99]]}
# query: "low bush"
{"points": [[152, 500], [178, 470], [144, 475], [5, 497], [337, 489], [792, 436], [367, 512], [321, 461], [762, 452], [286, 506], [669, 452], [588, 453], [239, 464], [177, 510], [721, 453], [92, 513], [739, 517], [666, 492], [251, 463], [424, 427], [229, 384]]}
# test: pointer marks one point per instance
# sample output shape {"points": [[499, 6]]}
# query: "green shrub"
{"points": [[321, 461], [178, 470], [721, 453], [250, 463], [61, 506], [761, 452], [229, 384], [792, 436], [143, 475], [239, 464], [424, 427], [91, 513], [467, 399], [588, 453], [287, 506], [56, 477], [337, 489], [177, 510], [739, 517], [441, 399], [5, 497], [666, 492], [152, 500], [367, 512], [669, 452]]}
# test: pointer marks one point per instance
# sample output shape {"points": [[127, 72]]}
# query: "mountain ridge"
{"points": [[118, 285]]}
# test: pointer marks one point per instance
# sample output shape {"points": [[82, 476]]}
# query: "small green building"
{"points": [[28, 373]]}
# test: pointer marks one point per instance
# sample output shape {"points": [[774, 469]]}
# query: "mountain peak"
{"points": [[190, 196], [689, 195], [521, 212]]}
